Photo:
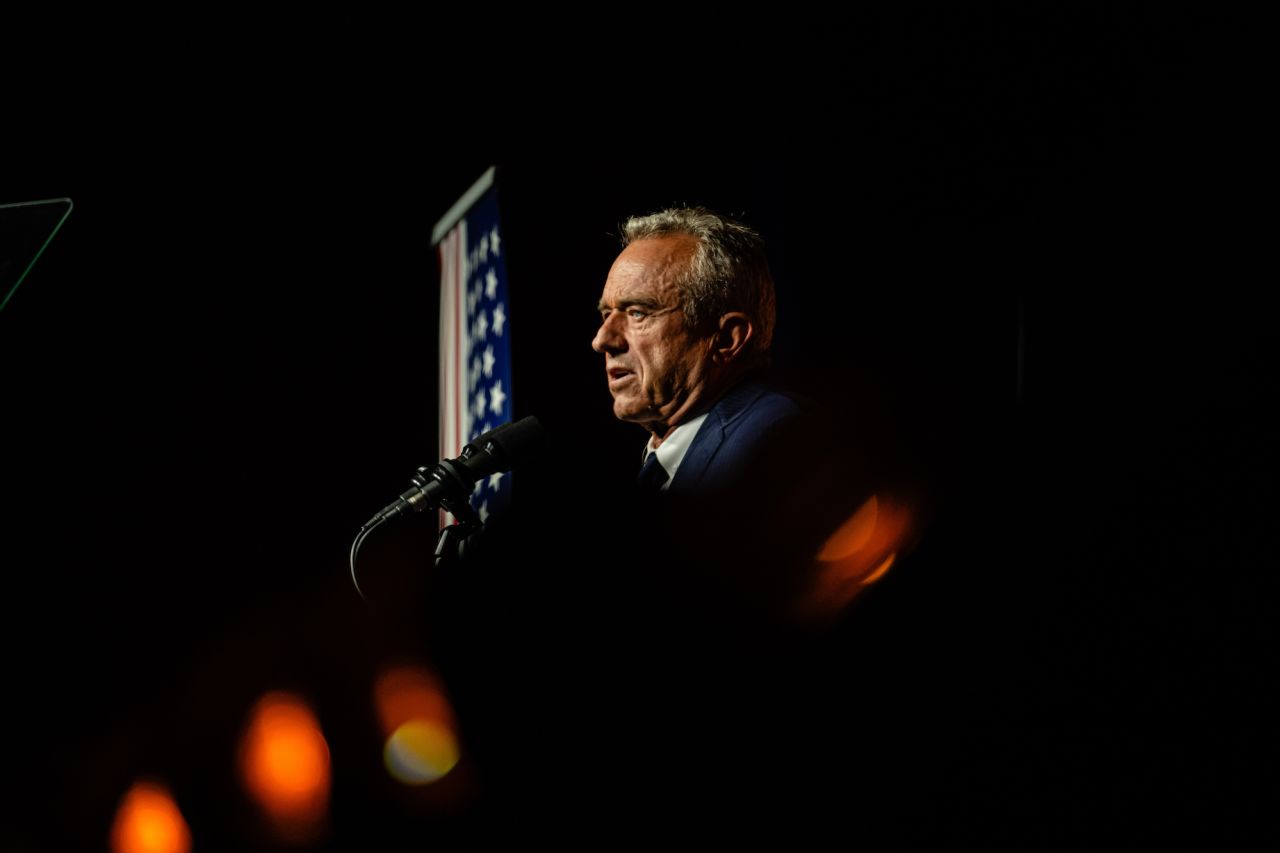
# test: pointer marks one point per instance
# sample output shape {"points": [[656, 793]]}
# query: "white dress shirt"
{"points": [[673, 448]]}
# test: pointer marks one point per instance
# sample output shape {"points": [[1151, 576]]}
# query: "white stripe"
{"points": [[463, 398], [455, 402], [446, 249]]}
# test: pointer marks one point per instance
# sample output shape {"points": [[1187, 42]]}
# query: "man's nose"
{"points": [[609, 337]]}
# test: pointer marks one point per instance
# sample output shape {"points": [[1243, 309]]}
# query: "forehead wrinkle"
{"points": [[648, 271]]}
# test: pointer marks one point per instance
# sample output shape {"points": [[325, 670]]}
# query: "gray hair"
{"points": [[729, 270]]}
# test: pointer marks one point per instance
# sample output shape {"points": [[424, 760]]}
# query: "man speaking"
{"points": [[687, 316], [736, 474]]}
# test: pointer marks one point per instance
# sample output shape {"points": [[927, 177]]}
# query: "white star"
{"points": [[488, 362], [484, 511], [484, 247], [494, 479], [499, 319], [491, 284], [480, 404], [475, 369], [472, 296], [482, 325], [493, 240], [476, 490], [496, 398]]}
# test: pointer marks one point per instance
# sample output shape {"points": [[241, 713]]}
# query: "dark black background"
{"points": [[1010, 255]]}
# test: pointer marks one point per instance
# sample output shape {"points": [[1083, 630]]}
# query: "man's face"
{"points": [[656, 368]]}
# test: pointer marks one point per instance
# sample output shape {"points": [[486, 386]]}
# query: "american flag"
{"points": [[475, 334]]}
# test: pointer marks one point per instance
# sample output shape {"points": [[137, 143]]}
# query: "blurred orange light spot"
{"points": [[409, 692], [859, 553], [285, 763], [853, 534], [148, 821], [421, 745], [420, 751]]}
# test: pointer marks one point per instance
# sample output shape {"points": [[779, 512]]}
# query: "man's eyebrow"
{"points": [[629, 302]]}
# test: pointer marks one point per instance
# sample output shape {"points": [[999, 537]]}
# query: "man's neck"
{"points": [[688, 409], [656, 437], [696, 405]]}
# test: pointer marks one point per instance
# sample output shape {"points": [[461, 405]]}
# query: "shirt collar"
{"points": [[674, 447]]}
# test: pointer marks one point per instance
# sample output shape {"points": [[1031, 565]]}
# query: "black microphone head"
{"points": [[503, 447], [519, 438]]}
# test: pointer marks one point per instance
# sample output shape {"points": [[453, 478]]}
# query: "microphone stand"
{"points": [[453, 535], [448, 485], [416, 499]]}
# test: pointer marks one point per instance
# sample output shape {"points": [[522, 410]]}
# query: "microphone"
{"points": [[449, 483]]}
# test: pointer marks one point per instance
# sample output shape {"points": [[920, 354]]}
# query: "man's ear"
{"points": [[732, 337]]}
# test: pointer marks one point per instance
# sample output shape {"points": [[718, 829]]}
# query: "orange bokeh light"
{"points": [[859, 553], [284, 760], [409, 692], [854, 534], [148, 821], [421, 745]]}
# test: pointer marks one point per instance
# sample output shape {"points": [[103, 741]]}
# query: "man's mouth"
{"points": [[618, 375]]}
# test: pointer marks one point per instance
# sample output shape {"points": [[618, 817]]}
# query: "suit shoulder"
{"points": [[771, 406], [771, 410]]}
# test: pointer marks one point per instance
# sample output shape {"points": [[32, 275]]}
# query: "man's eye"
{"points": [[636, 314]]}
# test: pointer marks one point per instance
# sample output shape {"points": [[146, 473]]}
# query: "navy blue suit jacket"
{"points": [[750, 503], [738, 429]]}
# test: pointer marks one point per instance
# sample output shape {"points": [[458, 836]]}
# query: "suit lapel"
{"points": [[698, 456], [720, 420]]}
